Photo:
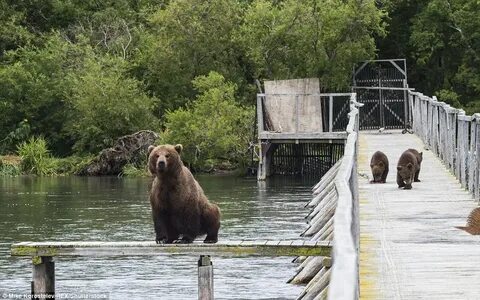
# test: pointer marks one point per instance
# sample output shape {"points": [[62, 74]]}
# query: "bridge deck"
{"points": [[409, 248]]}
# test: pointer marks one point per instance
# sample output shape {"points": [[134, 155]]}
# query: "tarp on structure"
{"points": [[291, 107]]}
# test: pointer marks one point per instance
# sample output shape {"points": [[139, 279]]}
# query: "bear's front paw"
{"points": [[182, 241], [407, 187], [161, 240], [417, 180], [210, 241]]}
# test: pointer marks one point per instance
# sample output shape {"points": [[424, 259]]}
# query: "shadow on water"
{"points": [[117, 209]]}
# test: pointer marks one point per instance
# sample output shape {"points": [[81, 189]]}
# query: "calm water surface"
{"points": [[116, 209]]}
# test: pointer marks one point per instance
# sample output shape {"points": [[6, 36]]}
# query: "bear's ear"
{"points": [[410, 166], [150, 148], [178, 148], [399, 168]]}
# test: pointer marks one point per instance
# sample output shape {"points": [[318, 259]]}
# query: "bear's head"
{"points": [[164, 159], [377, 171], [406, 173]]}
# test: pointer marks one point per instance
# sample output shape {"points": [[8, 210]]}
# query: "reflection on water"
{"points": [[116, 209]]}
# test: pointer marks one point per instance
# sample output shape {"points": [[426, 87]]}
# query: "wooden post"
{"points": [[330, 113], [297, 113], [205, 278], [43, 281], [477, 183]]}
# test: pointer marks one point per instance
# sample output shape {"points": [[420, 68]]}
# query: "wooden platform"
{"points": [[409, 248], [223, 248]]}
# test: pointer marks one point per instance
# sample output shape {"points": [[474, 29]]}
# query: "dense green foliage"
{"points": [[313, 38], [81, 73], [441, 41], [213, 126]]}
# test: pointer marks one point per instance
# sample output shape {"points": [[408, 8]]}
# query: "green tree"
{"points": [[291, 39], [189, 38], [440, 39], [13, 33], [213, 126], [106, 104], [32, 86]]}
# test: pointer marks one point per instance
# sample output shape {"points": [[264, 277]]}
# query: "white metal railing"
{"points": [[453, 136], [345, 277]]}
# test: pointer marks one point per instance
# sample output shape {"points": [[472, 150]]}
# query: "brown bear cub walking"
{"points": [[419, 157], [379, 166], [179, 206], [408, 168]]}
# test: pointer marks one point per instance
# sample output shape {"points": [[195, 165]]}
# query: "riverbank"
{"points": [[12, 165]]}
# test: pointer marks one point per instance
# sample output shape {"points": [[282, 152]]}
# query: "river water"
{"points": [[117, 209]]}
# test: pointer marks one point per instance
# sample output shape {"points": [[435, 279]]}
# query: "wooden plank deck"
{"points": [[409, 248], [145, 248]]}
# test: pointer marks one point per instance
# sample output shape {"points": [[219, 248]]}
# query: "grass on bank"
{"points": [[34, 158]]}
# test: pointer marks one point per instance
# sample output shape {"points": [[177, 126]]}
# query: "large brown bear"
{"points": [[408, 168], [179, 206], [379, 166]]}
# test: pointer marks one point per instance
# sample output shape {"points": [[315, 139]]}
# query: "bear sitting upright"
{"points": [[179, 206], [379, 166], [408, 168]]}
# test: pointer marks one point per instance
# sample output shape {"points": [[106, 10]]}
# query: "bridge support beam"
{"points": [[265, 162]]}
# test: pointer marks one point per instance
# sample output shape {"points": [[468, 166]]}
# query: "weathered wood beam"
{"points": [[223, 248], [302, 136]]}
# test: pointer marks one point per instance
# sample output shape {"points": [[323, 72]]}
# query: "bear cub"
{"points": [[181, 211], [379, 166], [408, 168]]}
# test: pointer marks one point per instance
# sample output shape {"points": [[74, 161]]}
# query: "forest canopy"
{"points": [[81, 73]]}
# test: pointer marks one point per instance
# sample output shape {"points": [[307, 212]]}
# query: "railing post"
{"points": [[471, 157], [477, 157], [330, 113], [205, 278], [43, 279], [297, 113]]}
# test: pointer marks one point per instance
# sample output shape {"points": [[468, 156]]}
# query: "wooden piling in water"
{"points": [[205, 278], [43, 279]]}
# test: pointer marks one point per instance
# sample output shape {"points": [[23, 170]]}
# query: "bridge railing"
{"points": [[331, 109], [453, 136], [345, 277]]}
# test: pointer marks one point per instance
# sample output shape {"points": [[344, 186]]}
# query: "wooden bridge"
{"points": [[390, 243]]}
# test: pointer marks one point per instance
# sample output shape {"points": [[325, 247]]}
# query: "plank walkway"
{"points": [[409, 248]]}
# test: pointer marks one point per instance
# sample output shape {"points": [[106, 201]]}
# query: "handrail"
{"points": [[333, 118], [344, 277], [451, 135]]}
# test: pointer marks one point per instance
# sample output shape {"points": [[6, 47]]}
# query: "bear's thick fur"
{"points": [[179, 206], [379, 166], [419, 157], [408, 168]]}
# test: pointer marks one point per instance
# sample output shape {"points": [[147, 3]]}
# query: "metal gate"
{"points": [[381, 85]]}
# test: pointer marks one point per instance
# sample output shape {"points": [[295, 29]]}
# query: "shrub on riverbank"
{"points": [[36, 158], [213, 127]]}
